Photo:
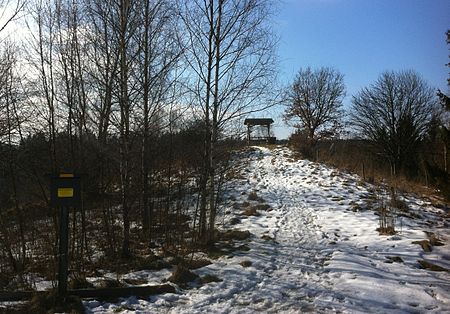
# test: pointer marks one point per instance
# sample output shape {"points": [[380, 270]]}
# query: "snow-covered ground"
{"points": [[316, 249]]}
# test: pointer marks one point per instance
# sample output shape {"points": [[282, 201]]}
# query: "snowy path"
{"points": [[315, 250]]}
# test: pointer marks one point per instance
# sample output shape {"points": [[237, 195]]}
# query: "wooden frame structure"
{"points": [[266, 122]]}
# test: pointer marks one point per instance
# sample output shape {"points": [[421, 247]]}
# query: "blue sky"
{"points": [[363, 38]]}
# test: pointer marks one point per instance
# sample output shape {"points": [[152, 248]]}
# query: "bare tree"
{"points": [[230, 53], [10, 11], [10, 131], [101, 72], [158, 60], [41, 58], [445, 128], [315, 101], [393, 113], [127, 27]]}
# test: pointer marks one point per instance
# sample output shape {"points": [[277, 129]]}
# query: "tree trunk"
{"points": [[146, 215], [124, 127], [212, 156], [207, 145]]}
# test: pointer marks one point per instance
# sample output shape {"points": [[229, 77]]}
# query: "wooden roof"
{"points": [[258, 121]]}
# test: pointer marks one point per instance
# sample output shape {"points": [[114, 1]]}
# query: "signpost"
{"points": [[65, 192]]}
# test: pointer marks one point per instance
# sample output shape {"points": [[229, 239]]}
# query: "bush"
{"points": [[51, 303], [300, 142], [182, 275]]}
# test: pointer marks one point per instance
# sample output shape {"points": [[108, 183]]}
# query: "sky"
{"points": [[362, 39]]}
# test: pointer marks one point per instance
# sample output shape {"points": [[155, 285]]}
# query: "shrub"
{"points": [[182, 275]]}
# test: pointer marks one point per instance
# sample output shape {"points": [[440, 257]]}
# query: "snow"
{"points": [[321, 251]]}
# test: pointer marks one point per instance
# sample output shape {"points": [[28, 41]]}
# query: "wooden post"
{"points": [[65, 192], [63, 251], [445, 158]]}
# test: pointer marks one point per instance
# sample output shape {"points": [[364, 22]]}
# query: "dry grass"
{"points": [[246, 263], [210, 278], [198, 263], [434, 240], [250, 212], [430, 266], [110, 283], [79, 283], [386, 230], [182, 275], [425, 244], [51, 303], [235, 235], [263, 207]]}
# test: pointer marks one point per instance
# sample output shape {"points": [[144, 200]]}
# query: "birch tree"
{"points": [[232, 61], [158, 62]]}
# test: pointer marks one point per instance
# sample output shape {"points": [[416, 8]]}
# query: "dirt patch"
{"points": [[430, 266]]}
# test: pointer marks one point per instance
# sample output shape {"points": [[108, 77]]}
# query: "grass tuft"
{"points": [[182, 275], [430, 266], [425, 244], [246, 263], [52, 303]]}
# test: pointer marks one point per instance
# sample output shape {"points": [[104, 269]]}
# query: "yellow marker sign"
{"points": [[66, 175], [65, 192]]}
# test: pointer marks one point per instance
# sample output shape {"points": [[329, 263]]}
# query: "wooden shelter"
{"points": [[259, 138]]}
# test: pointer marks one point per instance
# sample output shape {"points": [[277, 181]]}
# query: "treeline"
{"points": [[396, 129], [139, 98]]}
